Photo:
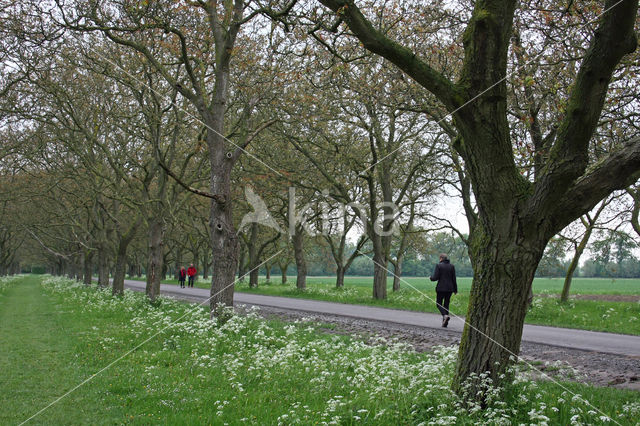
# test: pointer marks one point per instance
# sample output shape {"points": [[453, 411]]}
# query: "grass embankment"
{"points": [[417, 294], [246, 370]]}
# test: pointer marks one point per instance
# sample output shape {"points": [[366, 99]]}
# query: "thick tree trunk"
{"points": [[268, 272], [503, 274], [224, 239], [379, 277], [301, 265], [283, 274], [155, 261], [340, 270]]}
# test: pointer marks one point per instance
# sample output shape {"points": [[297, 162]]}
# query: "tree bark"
{"points": [[252, 249], [103, 266], [397, 273], [87, 267], [301, 265], [497, 308], [155, 261], [119, 270], [205, 267], [379, 276], [340, 276], [574, 264], [121, 258], [224, 241], [283, 271]]}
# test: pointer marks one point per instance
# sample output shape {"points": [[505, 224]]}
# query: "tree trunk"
{"points": [[155, 261], [397, 273], [242, 263], [87, 267], [283, 271], [120, 269], [503, 274], [301, 265], [574, 264], [340, 270], [253, 278], [379, 276], [72, 270], [268, 272], [252, 249], [178, 262], [224, 239], [205, 267], [103, 267]]}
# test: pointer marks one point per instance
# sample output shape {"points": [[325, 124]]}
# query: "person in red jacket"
{"points": [[191, 272], [182, 275]]}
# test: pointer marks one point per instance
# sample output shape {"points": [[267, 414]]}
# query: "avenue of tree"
{"points": [[138, 137]]}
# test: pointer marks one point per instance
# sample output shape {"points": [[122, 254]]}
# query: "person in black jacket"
{"points": [[445, 274]]}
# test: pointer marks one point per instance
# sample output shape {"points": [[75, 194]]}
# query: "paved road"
{"points": [[618, 344]]}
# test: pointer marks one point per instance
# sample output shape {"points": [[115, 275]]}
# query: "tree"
{"points": [[589, 222], [201, 38], [364, 116], [516, 216]]}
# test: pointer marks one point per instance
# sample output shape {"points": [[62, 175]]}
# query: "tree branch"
{"points": [[241, 146], [216, 197], [618, 171], [376, 42], [569, 155]]}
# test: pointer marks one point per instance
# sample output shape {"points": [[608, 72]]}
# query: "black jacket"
{"points": [[445, 274]]}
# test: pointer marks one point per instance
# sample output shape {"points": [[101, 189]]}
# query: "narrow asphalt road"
{"points": [[618, 344]]}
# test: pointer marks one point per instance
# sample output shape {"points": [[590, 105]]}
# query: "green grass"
{"points": [[540, 285], [246, 370]]}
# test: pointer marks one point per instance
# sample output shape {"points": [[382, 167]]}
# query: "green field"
{"points": [[540, 285], [617, 286], [58, 334]]}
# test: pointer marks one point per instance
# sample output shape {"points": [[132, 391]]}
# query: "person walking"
{"points": [[182, 275], [191, 273], [445, 274]]}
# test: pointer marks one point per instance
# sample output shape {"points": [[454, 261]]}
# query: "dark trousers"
{"points": [[442, 299], [191, 279], [181, 281]]}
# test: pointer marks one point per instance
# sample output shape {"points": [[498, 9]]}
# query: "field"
{"points": [[418, 294], [170, 364], [540, 285]]}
